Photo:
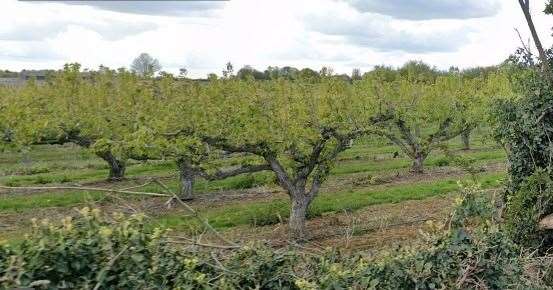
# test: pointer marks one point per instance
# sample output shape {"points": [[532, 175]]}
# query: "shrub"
{"points": [[91, 250], [525, 208], [449, 257], [119, 252]]}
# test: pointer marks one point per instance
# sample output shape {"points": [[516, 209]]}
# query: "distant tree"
{"points": [[248, 71], [272, 72], [480, 71], [289, 72], [229, 70], [183, 72], [326, 71], [453, 69], [145, 65], [308, 74], [8, 74], [419, 70], [343, 77], [384, 73], [356, 74]]}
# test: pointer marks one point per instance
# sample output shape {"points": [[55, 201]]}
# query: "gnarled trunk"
{"points": [[186, 178], [298, 216], [418, 163], [465, 138], [116, 167]]}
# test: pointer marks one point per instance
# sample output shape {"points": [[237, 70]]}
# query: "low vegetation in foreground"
{"points": [[96, 251]]}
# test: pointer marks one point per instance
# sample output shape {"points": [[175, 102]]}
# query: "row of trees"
{"points": [[294, 128]]}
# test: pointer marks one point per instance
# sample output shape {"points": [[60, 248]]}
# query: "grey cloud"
{"points": [[110, 30], [156, 7], [429, 9], [379, 34], [31, 51]]}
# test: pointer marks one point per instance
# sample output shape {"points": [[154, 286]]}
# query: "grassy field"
{"points": [[365, 176]]}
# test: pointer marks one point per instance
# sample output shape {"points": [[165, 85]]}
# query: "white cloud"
{"points": [[156, 7], [41, 29], [429, 9], [307, 33], [384, 34]]}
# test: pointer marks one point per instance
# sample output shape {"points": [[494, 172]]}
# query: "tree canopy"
{"points": [[145, 65]]}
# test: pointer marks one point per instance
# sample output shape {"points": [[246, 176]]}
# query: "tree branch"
{"points": [[525, 6], [220, 174], [221, 143], [282, 175]]}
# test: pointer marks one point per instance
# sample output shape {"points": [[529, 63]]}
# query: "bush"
{"points": [[91, 250], [122, 253], [525, 207]]}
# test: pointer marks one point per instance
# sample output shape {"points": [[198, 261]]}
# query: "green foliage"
{"points": [[250, 181], [525, 208], [549, 7], [524, 125], [442, 161], [122, 253], [421, 107]]}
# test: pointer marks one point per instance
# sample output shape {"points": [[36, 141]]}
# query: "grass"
{"points": [[271, 212], [46, 200]]}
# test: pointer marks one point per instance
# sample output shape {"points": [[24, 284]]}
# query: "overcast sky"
{"points": [[203, 36]]}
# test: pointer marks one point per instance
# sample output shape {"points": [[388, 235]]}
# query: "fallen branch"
{"points": [[194, 213], [84, 189], [194, 243]]}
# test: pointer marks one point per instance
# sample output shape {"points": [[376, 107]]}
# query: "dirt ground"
{"points": [[369, 228]]}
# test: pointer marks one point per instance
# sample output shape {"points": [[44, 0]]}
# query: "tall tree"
{"points": [[356, 74], [525, 6], [145, 65], [229, 70]]}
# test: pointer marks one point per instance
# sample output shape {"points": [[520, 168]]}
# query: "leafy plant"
{"points": [[94, 250]]}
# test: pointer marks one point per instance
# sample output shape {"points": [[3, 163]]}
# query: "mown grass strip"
{"points": [[49, 199], [264, 213]]}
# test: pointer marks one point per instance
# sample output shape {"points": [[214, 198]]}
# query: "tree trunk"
{"points": [[116, 167], [465, 138], [298, 215], [186, 177], [525, 6], [418, 163]]}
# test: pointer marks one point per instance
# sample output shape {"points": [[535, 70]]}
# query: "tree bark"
{"points": [[298, 216], [116, 167], [525, 6], [299, 198], [465, 138], [186, 177], [418, 163]]}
